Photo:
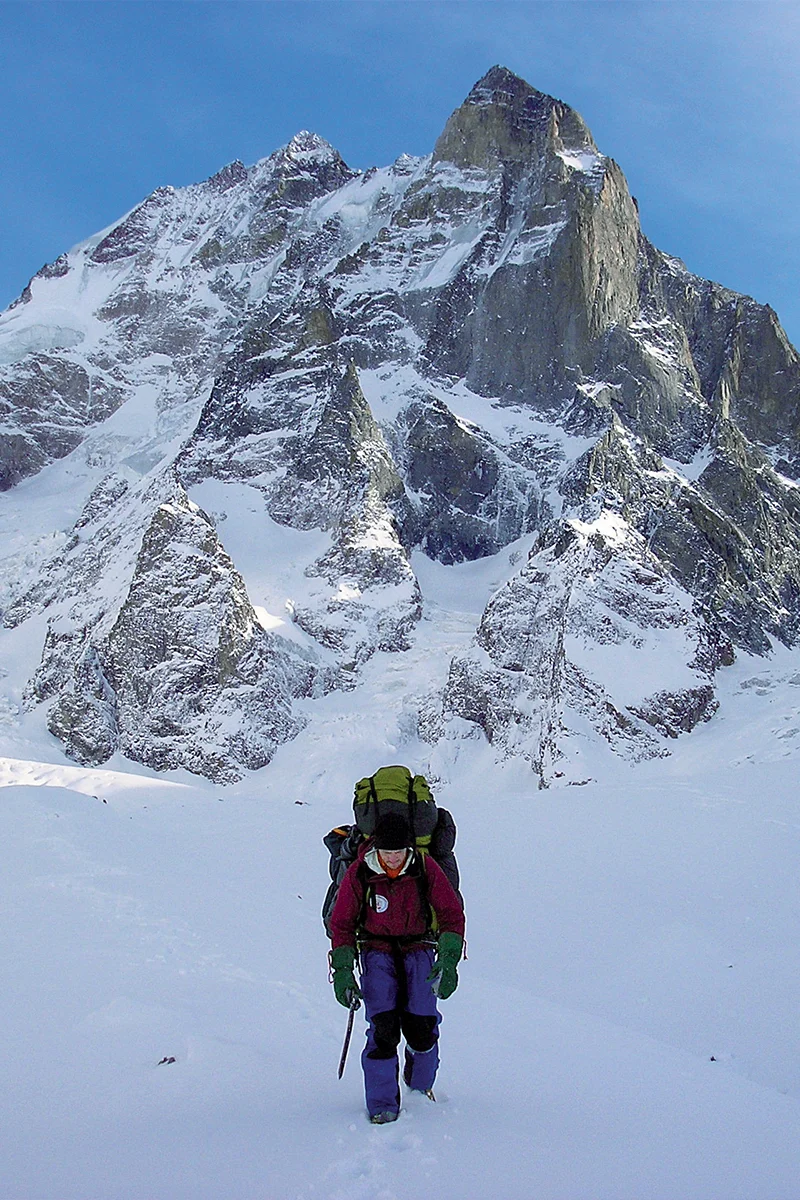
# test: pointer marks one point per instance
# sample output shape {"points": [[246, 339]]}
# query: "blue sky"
{"points": [[104, 101]]}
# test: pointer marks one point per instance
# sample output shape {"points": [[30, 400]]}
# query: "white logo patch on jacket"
{"points": [[381, 904]]}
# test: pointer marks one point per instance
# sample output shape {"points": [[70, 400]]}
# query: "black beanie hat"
{"points": [[392, 832]]}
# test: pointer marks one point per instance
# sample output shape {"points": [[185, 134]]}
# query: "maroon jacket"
{"points": [[395, 908]]}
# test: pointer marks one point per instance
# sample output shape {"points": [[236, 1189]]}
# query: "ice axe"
{"points": [[355, 1005]]}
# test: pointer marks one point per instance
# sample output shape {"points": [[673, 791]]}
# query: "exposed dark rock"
{"points": [[673, 713], [46, 403], [102, 499], [470, 499], [84, 717], [505, 121], [228, 177], [133, 235], [54, 270]]}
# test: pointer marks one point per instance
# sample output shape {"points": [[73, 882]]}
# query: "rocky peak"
{"points": [[310, 147], [186, 675], [228, 177], [52, 270], [310, 166], [131, 235], [505, 121]]}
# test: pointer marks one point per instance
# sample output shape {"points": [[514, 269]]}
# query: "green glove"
{"points": [[345, 987], [444, 976]]}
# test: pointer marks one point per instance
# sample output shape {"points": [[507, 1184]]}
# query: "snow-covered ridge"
{"points": [[451, 356]]}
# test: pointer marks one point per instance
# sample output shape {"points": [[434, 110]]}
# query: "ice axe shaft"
{"points": [[355, 1005]]}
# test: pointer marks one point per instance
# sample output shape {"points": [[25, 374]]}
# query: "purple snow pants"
{"points": [[398, 1000]]}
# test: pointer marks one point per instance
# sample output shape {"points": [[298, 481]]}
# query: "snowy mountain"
{"points": [[304, 471], [239, 422]]}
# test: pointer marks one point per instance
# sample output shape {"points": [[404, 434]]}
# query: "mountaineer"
{"points": [[397, 914]]}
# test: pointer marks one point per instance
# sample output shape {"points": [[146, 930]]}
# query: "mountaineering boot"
{"points": [[383, 1118]]}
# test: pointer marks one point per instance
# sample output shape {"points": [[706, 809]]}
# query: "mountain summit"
{"points": [[504, 121], [255, 430]]}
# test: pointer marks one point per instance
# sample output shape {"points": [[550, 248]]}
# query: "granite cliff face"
{"points": [[447, 356]]}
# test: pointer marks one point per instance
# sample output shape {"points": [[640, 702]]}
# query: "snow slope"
{"points": [[625, 1026]]}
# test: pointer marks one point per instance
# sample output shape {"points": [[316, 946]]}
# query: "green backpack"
{"points": [[396, 790], [391, 789]]}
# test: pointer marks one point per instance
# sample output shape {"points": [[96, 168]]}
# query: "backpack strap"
{"points": [[361, 875], [422, 887], [373, 795], [412, 807]]}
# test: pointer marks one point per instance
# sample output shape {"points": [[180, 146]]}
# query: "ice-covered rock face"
{"points": [[592, 639], [185, 675], [265, 392]]}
